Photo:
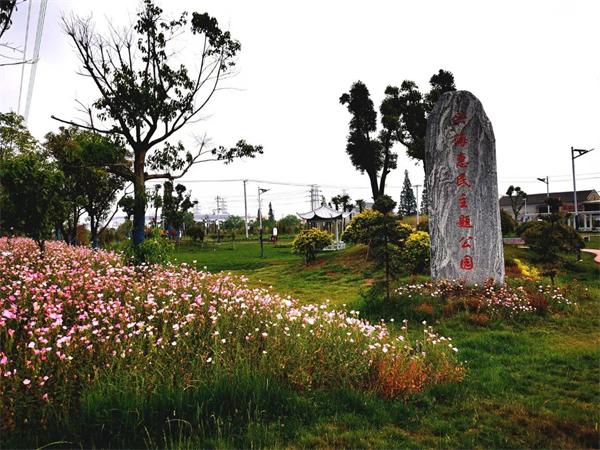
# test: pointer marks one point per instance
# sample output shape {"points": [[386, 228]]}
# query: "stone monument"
{"points": [[461, 180]]}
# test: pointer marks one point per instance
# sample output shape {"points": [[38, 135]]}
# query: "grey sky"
{"points": [[534, 65]]}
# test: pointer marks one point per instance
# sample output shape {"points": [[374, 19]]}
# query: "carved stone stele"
{"points": [[461, 180]]}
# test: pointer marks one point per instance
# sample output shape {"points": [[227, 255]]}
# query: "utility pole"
{"points": [[580, 152], [417, 200], [245, 209], [260, 228], [314, 196], [547, 181]]}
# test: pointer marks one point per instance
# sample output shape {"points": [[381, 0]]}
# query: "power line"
{"points": [[36, 55], [24, 57]]}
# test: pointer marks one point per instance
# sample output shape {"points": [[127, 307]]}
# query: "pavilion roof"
{"points": [[322, 213]]}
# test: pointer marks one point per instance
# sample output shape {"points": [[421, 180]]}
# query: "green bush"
{"points": [[549, 239], [524, 226], [196, 232], [414, 255], [288, 225], [360, 227], [153, 250], [507, 223], [107, 237], [124, 230], [309, 242]]}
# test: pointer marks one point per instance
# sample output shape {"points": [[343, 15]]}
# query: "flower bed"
{"points": [[76, 315], [505, 300]]}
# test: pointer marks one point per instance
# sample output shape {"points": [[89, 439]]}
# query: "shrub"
{"points": [[107, 237], [124, 230], [309, 242], [507, 223], [359, 229], [288, 225], [82, 235], [196, 232], [414, 255], [423, 224], [524, 226], [549, 239], [153, 250], [529, 272]]}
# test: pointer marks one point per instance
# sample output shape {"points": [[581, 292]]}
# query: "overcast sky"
{"points": [[534, 65]]}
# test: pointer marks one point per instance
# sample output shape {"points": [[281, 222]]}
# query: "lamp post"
{"points": [[417, 201], [546, 180], [580, 152], [260, 228]]}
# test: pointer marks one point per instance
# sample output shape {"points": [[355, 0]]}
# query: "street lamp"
{"points": [[545, 180], [417, 201], [260, 228], [580, 152]]}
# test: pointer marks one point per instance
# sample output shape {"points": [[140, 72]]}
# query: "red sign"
{"points": [[461, 180], [466, 263], [464, 221], [458, 118], [460, 140]]}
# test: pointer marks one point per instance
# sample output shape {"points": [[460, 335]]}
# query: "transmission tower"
{"points": [[314, 196]]}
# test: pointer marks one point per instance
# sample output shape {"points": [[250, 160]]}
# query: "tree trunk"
{"points": [[139, 209], [94, 231], [374, 187]]}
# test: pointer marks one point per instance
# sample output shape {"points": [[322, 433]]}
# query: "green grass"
{"points": [[336, 276], [532, 384]]}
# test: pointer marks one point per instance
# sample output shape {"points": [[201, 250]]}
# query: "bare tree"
{"points": [[145, 98]]}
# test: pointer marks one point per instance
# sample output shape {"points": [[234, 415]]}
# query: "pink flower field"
{"points": [[75, 315]]}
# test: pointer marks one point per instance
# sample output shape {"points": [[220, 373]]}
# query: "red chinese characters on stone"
{"points": [[460, 139], [464, 221], [466, 263], [465, 242], [462, 201], [461, 180], [458, 118], [461, 160]]}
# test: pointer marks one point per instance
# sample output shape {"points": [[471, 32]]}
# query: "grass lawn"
{"points": [[531, 383], [335, 276]]}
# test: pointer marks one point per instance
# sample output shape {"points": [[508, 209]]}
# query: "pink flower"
{"points": [[9, 314], [26, 381]]}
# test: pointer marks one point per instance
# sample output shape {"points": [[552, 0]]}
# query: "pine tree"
{"points": [[271, 215], [424, 202], [408, 203]]}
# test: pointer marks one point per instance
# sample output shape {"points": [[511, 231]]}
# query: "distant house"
{"points": [[588, 206]]}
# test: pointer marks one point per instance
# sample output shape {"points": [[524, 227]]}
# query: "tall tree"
{"points": [[517, 198], [157, 202], [360, 203], [146, 95], [369, 152], [336, 200], [408, 202], [175, 206], [32, 187], [414, 107], [14, 135], [271, 214], [82, 156], [424, 201]]}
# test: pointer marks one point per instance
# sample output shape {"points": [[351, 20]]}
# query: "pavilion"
{"points": [[327, 219]]}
